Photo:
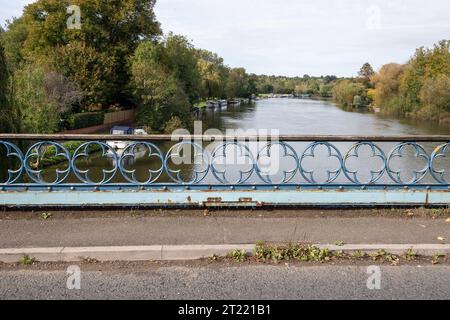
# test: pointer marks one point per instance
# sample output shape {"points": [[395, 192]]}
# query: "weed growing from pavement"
{"points": [[238, 255], [436, 259], [90, 260], [46, 215], [276, 254], [270, 253], [213, 257], [383, 256], [410, 255], [27, 260], [339, 243], [359, 254]]}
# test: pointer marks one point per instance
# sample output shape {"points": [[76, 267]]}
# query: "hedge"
{"points": [[87, 119]]}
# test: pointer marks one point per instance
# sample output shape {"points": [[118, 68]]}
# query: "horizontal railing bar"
{"points": [[209, 138]]}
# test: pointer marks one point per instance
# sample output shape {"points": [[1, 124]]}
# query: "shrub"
{"points": [[344, 92], [87, 119], [173, 124]]}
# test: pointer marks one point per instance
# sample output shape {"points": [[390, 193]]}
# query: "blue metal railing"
{"points": [[312, 161]]}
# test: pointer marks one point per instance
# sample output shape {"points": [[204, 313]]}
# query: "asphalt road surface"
{"points": [[230, 282], [108, 229]]}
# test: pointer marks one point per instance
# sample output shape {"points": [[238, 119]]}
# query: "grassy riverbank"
{"points": [[49, 157]]}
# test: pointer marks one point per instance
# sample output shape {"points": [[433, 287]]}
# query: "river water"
{"points": [[295, 162], [310, 117]]}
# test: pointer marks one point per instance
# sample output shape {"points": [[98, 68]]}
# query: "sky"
{"points": [[297, 37]]}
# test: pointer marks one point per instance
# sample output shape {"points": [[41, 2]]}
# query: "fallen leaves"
{"points": [[448, 220], [441, 238]]}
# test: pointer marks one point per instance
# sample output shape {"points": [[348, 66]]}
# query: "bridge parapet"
{"points": [[79, 170]]}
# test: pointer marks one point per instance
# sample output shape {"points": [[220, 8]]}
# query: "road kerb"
{"points": [[187, 252]]}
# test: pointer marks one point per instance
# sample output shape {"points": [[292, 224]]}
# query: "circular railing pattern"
{"points": [[41, 152], [129, 157], [236, 155], [439, 174], [13, 152], [85, 151], [354, 152], [233, 163], [399, 152], [187, 154]]}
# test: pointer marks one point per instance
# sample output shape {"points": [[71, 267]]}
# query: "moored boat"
{"points": [[123, 130]]}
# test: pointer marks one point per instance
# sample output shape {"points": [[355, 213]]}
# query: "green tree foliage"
{"points": [[110, 32], [13, 41], [416, 89], [435, 98], [4, 103], [213, 74], [182, 62], [345, 91], [157, 89], [238, 84], [92, 70], [425, 64], [38, 113], [315, 86], [387, 85]]}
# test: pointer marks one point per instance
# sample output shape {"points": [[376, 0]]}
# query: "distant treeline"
{"points": [[418, 89]]}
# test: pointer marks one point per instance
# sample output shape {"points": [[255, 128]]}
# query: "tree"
{"points": [[110, 30], [38, 113], [425, 64], [93, 71], [435, 97], [366, 73], [237, 84], [387, 84], [159, 94], [182, 61], [13, 39], [325, 90], [345, 91], [5, 121], [210, 79], [213, 74]]}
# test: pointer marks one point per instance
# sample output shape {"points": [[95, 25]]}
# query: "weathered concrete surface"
{"points": [[190, 252], [174, 228], [230, 282]]}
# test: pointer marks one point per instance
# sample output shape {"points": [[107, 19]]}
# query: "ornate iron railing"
{"points": [[161, 160]]}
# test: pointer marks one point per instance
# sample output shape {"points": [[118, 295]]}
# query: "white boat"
{"points": [[211, 104], [223, 103], [122, 130]]}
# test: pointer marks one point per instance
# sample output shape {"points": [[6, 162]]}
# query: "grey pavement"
{"points": [[147, 230], [230, 282]]}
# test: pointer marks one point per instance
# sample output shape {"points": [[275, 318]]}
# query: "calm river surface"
{"points": [[297, 163], [309, 117]]}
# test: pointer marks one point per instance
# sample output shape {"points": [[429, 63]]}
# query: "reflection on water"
{"points": [[289, 116], [302, 116]]}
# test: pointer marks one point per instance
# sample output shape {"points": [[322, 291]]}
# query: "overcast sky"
{"points": [[296, 37]]}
